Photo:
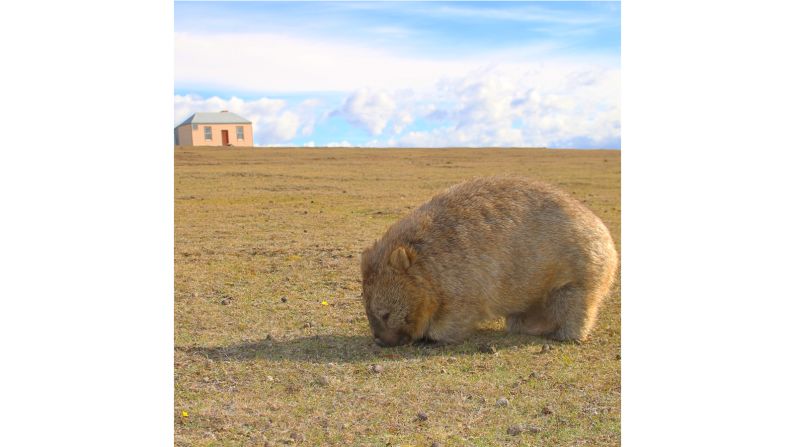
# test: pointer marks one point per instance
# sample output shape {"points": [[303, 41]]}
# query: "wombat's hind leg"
{"points": [[533, 321], [573, 311]]}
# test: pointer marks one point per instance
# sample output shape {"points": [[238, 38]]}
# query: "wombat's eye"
{"points": [[385, 317]]}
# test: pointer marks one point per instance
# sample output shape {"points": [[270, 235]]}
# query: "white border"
{"points": [[87, 228], [707, 223]]}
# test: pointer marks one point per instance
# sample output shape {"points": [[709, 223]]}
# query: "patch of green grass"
{"points": [[255, 225]]}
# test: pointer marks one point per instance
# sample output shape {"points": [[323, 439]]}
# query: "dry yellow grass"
{"points": [[254, 226]]}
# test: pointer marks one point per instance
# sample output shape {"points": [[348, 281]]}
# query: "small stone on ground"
{"points": [[422, 416], [487, 349], [502, 402], [515, 430]]}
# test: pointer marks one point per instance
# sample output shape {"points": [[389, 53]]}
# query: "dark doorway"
{"points": [[225, 137]]}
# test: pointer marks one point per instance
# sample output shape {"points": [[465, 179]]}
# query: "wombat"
{"points": [[490, 247]]}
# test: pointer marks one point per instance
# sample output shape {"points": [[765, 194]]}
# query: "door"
{"points": [[225, 137]]}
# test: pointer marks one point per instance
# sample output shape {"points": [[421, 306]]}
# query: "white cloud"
{"points": [[265, 62], [530, 14], [371, 110], [281, 127], [401, 120], [281, 63], [307, 110], [551, 106], [343, 143], [391, 31]]}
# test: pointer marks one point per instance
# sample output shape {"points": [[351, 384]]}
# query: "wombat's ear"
{"points": [[402, 258]]}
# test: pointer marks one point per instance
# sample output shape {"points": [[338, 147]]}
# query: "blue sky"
{"points": [[405, 73]]}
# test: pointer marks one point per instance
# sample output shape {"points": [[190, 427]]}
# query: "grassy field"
{"points": [[265, 237]]}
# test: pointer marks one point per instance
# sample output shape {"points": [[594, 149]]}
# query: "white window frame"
{"points": [[206, 129], [240, 133]]}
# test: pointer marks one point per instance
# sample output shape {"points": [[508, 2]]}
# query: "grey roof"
{"points": [[215, 118]]}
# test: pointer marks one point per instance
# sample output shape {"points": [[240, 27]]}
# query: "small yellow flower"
{"points": [[184, 414], [325, 303]]}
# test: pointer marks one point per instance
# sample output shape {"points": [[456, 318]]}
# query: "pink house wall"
{"points": [[188, 136]]}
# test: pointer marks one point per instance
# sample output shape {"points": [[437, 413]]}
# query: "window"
{"points": [[195, 126], [239, 132], [208, 133]]}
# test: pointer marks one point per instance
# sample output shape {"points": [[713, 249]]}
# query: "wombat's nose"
{"points": [[380, 342]]}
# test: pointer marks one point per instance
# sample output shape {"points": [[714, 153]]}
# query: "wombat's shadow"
{"points": [[360, 348]]}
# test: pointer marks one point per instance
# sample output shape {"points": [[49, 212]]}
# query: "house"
{"points": [[214, 129]]}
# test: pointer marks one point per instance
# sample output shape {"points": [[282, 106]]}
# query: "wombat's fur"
{"points": [[486, 248]]}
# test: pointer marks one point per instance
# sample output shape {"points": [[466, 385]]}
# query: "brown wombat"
{"points": [[490, 247]]}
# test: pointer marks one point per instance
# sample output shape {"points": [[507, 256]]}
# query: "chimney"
{"points": [[224, 111]]}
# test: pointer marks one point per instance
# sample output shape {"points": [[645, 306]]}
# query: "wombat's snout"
{"points": [[387, 341], [384, 335]]}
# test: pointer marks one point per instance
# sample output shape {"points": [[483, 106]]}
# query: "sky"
{"points": [[405, 74]]}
